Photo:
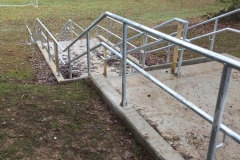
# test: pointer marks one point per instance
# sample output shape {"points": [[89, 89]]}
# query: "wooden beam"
{"points": [[176, 51]]}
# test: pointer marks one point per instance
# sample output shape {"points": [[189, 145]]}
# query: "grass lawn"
{"points": [[67, 121]]}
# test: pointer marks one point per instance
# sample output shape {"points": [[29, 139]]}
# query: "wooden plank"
{"points": [[176, 51]]}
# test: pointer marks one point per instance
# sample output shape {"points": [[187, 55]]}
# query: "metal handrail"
{"points": [[215, 18], [69, 26], [177, 96], [226, 61], [49, 33], [215, 32], [210, 54], [138, 35], [63, 29]]}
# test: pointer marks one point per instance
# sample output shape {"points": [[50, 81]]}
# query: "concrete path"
{"points": [[180, 127]]}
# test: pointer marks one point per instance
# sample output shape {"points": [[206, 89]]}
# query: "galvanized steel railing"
{"points": [[69, 29], [144, 44], [215, 31], [143, 49], [228, 63]]}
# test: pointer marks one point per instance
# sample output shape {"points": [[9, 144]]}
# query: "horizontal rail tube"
{"points": [[138, 35], [178, 97], [213, 19], [158, 49], [116, 36], [78, 26], [170, 21], [215, 32], [146, 46]]}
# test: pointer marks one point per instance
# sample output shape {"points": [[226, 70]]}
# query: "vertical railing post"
{"points": [[214, 35], [107, 19], [29, 37], [105, 62], [48, 47], [124, 62], [141, 53], [40, 32], [71, 30], [145, 41], [217, 120], [120, 65], [182, 49], [168, 52], [56, 58], [88, 54], [69, 64]]}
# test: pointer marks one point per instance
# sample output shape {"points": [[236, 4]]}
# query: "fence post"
{"points": [[40, 32], [176, 51], [124, 62], [71, 30], [56, 58], [217, 120]]}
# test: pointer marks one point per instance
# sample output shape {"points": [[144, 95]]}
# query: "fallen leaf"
{"points": [[128, 155]]}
